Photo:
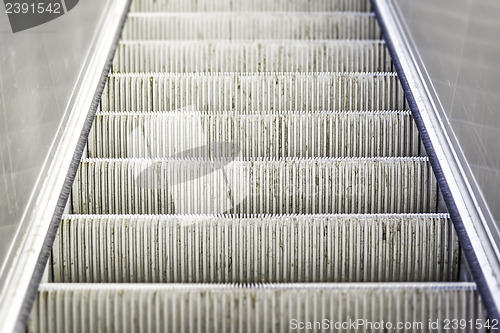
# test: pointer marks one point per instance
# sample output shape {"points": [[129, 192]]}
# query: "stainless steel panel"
{"points": [[42, 113], [459, 44], [39, 70]]}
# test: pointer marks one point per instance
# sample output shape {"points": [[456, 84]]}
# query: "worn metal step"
{"points": [[246, 92], [259, 134], [251, 56], [254, 308], [251, 25], [280, 248], [250, 5], [258, 186], [253, 141]]}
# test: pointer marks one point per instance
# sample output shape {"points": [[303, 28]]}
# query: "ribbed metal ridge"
{"points": [[259, 134], [250, 5], [199, 26], [252, 56], [280, 248], [281, 186], [246, 92], [249, 308]]}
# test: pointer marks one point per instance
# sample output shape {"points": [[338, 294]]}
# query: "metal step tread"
{"points": [[259, 134], [245, 172], [249, 5], [248, 308], [252, 56], [251, 25], [263, 185], [246, 92], [255, 248]]}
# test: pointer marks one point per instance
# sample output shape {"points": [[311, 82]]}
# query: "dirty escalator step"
{"points": [[250, 26], [246, 248], [249, 307], [251, 6], [251, 56], [249, 92], [255, 186], [253, 163], [256, 134]]}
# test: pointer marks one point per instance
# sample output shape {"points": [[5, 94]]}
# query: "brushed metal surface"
{"points": [[39, 70], [459, 44]]}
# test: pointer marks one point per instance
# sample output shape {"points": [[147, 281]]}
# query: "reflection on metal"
{"points": [[475, 227], [461, 60]]}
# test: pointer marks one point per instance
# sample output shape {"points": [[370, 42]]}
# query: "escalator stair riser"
{"points": [[249, 92], [260, 186], [242, 249], [250, 5], [248, 308], [249, 56], [250, 26], [224, 134]]}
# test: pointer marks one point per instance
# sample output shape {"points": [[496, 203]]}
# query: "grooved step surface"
{"points": [[248, 308], [247, 92], [200, 186], [282, 248], [265, 26], [249, 56], [259, 134], [250, 5], [253, 166]]}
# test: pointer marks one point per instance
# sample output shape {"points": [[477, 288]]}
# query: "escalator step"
{"points": [[247, 92], [246, 26], [254, 167], [250, 5], [224, 134], [280, 248], [251, 308], [249, 56], [254, 186]]}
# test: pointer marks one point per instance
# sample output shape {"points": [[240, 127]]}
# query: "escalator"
{"points": [[254, 166]]}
